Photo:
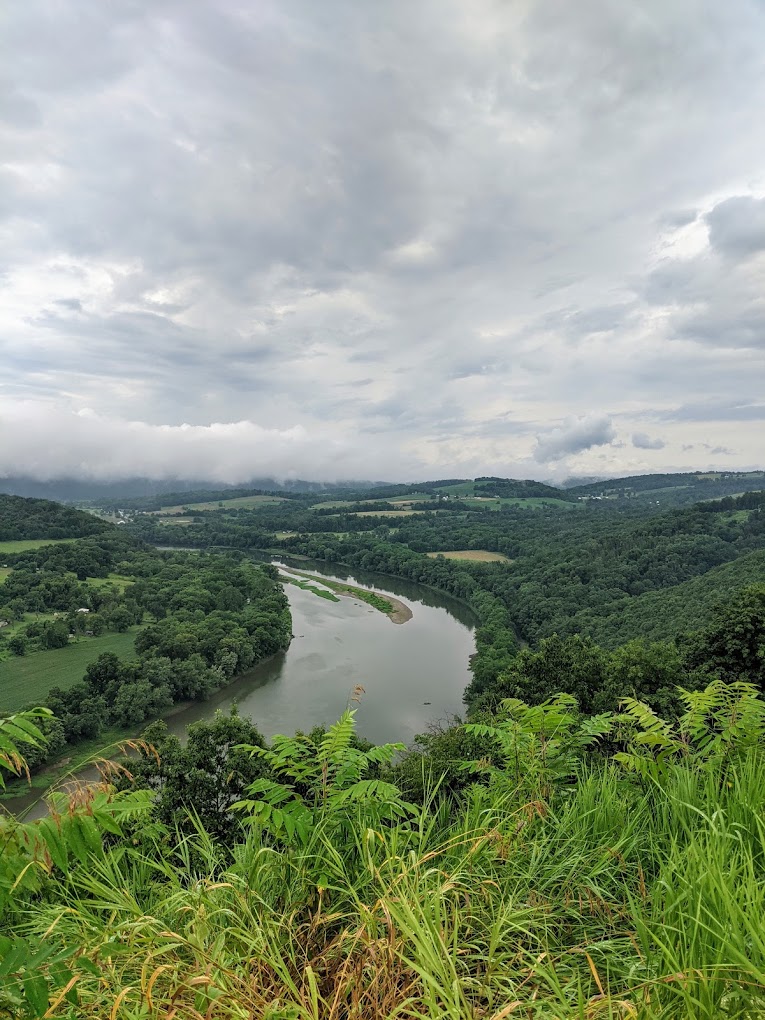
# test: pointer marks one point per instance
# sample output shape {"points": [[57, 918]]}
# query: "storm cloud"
{"points": [[395, 240]]}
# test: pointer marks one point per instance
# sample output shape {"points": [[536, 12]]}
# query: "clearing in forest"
{"points": [[14, 545], [479, 555], [27, 679]]}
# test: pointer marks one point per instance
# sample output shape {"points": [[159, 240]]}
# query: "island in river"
{"points": [[396, 610]]}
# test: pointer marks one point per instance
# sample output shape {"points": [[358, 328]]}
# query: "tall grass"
{"points": [[610, 899]]}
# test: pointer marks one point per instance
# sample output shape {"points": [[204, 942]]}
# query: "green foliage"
{"points": [[720, 722], [40, 518], [605, 894], [200, 779], [16, 731], [321, 778], [537, 747]]}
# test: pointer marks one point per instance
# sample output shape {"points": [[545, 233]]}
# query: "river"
{"points": [[413, 673]]}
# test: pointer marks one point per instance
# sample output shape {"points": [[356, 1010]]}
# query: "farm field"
{"points": [[181, 522], [28, 678], [396, 501], [4, 572], [22, 544], [329, 503], [477, 555], [497, 502], [227, 504]]}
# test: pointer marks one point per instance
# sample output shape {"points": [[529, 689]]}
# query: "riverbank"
{"points": [[20, 794]]}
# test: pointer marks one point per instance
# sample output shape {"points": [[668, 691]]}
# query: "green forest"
{"points": [[586, 842]]}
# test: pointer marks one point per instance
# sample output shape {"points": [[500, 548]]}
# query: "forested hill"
{"points": [[22, 518], [666, 490]]}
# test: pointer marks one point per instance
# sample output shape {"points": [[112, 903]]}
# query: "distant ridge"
{"points": [[77, 490]]}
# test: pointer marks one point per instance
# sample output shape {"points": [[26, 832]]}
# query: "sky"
{"points": [[398, 240]]}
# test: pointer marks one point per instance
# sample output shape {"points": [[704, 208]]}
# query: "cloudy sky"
{"points": [[397, 239]]}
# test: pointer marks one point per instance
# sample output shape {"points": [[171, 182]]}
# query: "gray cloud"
{"points": [[716, 411], [574, 436], [737, 226], [642, 441], [434, 232]]}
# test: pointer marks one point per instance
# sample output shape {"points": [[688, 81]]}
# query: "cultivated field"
{"points": [[22, 544], [477, 555], [28, 678]]}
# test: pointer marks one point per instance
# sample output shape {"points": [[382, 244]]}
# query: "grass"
{"points": [[22, 544], [608, 902], [83, 753], [478, 555], [4, 572], [183, 522], [321, 592], [17, 625], [363, 594], [28, 678], [328, 503]]}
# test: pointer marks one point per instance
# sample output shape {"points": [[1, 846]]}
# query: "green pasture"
{"points": [[26, 679], [13, 545]]}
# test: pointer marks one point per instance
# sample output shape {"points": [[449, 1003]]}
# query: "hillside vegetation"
{"points": [[39, 518]]}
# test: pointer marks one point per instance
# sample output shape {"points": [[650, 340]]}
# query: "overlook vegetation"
{"points": [[587, 866]]}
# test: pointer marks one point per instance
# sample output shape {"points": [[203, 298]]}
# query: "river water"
{"points": [[413, 673]]}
